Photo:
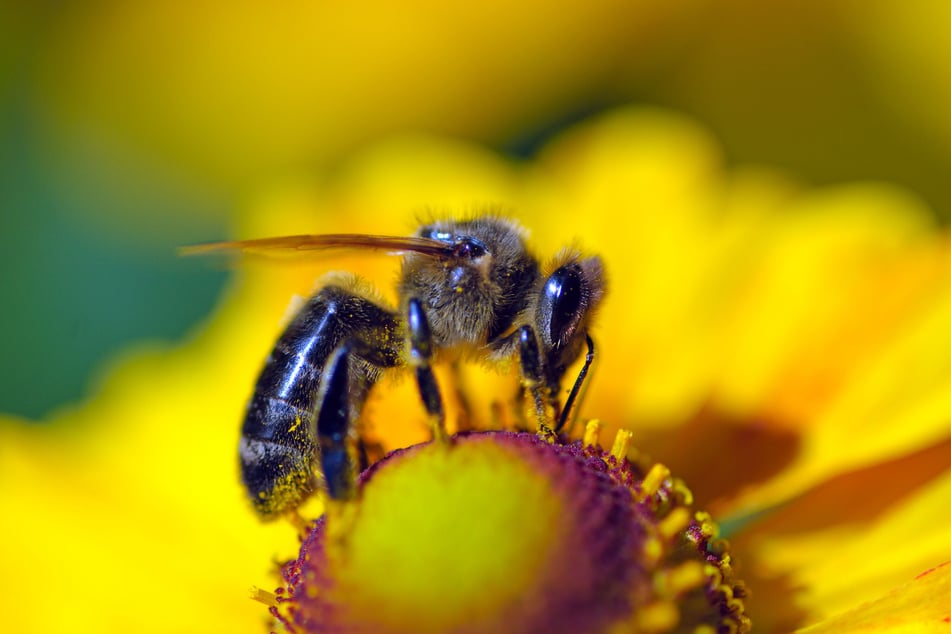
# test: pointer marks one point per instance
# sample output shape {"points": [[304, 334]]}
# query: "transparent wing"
{"points": [[323, 242]]}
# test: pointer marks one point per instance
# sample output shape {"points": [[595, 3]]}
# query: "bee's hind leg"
{"points": [[338, 459]]}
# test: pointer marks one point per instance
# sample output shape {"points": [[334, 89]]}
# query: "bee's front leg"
{"points": [[420, 357], [536, 381]]}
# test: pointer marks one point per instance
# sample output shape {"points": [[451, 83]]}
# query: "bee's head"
{"points": [[472, 295]]}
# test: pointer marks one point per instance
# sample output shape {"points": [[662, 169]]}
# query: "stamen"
{"points": [[682, 492], [592, 433], [727, 593], [654, 479], [263, 596], [715, 576], [660, 616], [736, 606], [652, 552], [678, 581], [622, 441], [708, 528], [674, 524]]}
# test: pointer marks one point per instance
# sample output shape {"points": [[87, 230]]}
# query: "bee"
{"points": [[468, 287]]}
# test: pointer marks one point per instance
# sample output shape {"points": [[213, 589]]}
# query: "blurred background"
{"points": [[128, 129]]}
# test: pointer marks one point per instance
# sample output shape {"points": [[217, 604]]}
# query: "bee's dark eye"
{"points": [[562, 304], [469, 248], [463, 246]]}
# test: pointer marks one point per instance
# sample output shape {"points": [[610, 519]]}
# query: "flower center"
{"points": [[505, 532]]}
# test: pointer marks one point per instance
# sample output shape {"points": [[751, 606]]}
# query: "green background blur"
{"points": [[127, 129]]}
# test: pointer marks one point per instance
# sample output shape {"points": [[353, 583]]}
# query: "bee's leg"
{"points": [[579, 381], [535, 381], [337, 458], [421, 352]]}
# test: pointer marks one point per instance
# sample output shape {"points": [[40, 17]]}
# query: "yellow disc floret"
{"points": [[507, 532], [453, 532]]}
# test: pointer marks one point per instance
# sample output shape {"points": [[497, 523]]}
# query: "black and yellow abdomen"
{"points": [[278, 450]]}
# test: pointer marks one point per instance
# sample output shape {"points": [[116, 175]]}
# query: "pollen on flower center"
{"points": [[449, 507], [504, 532]]}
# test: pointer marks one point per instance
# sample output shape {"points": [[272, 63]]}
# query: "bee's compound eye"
{"points": [[469, 248], [562, 304]]}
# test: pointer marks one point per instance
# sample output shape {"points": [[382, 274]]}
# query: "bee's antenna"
{"points": [[566, 412]]}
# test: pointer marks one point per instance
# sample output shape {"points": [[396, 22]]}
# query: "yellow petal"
{"points": [[856, 536], [817, 315], [126, 515], [869, 382], [920, 606]]}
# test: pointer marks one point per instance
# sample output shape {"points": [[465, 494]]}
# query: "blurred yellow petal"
{"points": [[852, 537], [107, 499], [918, 606], [642, 187], [860, 364], [803, 309]]}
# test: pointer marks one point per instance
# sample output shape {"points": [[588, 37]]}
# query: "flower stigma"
{"points": [[504, 531]]}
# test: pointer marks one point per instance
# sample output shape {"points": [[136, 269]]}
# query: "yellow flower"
{"points": [[508, 532], [781, 349]]}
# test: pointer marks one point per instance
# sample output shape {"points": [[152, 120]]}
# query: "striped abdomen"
{"points": [[278, 446]]}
